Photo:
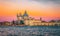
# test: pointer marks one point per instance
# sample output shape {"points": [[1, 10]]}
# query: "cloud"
{"points": [[39, 1], [12, 0], [48, 1]]}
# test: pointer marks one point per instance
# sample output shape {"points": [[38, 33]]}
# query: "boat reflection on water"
{"points": [[29, 31]]}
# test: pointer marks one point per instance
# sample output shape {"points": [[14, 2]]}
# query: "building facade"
{"points": [[29, 21]]}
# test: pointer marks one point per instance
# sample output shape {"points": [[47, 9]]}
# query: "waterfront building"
{"points": [[25, 19], [6, 23]]}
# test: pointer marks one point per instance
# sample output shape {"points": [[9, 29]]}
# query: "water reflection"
{"points": [[29, 31]]}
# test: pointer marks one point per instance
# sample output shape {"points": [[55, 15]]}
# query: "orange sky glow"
{"points": [[48, 11]]}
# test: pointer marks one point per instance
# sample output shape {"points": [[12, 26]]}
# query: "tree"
{"points": [[21, 22], [13, 22], [52, 21], [58, 21]]}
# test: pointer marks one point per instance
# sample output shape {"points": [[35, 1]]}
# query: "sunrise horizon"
{"points": [[14, 17], [46, 9]]}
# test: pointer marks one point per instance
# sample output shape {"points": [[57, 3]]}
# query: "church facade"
{"points": [[26, 20], [29, 21]]}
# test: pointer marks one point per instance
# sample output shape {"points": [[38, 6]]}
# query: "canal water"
{"points": [[29, 30]]}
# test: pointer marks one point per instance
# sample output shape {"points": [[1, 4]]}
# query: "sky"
{"points": [[46, 9]]}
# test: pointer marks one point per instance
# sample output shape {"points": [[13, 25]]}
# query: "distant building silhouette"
{"points": [[25, 19]]}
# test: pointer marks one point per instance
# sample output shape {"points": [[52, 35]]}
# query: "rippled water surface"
{"points": [[29, 31]]}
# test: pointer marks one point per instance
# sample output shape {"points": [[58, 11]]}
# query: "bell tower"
{"points": [[20, 19], [19, 16]]}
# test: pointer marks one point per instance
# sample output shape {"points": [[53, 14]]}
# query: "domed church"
{"points": [[21, 18], [25, 19]]}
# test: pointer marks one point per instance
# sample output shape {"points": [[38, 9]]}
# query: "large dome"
{"points": [[25, 14]]}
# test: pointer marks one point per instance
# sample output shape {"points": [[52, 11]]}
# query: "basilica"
{"points": [[26, 20]]}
